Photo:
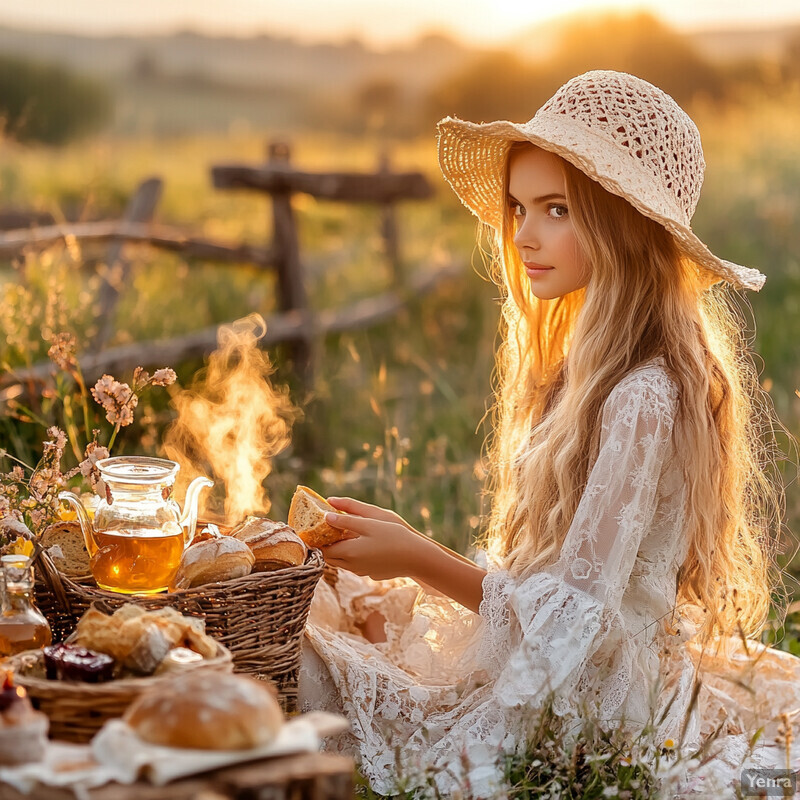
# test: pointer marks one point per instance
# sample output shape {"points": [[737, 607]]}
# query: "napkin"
{"points": [[116, 754]]}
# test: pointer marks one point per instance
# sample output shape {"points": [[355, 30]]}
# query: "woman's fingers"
{"points": [[358, 525], [339, 554], [352, 506]]}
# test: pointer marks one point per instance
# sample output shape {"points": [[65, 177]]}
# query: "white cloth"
{"points": [[451, 689]]}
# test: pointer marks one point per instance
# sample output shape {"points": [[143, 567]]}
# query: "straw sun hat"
{"points": [[621, 131]]}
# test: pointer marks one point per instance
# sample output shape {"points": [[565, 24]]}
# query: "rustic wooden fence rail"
{"points": [[296, 323]]}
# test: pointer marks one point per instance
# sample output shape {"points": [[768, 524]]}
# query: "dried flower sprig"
{"points": [[29, 494], [63, 353], [32, 499], [88, 467], [119, 400]]}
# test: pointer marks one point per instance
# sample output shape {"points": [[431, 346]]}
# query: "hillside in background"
{"points": [[258, 61], [187, 81]]}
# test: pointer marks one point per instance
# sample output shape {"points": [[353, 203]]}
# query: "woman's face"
{"points": [[544, 234]]}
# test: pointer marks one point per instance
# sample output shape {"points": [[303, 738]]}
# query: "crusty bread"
{"points": [[211, 711], [307, 516], [221, 558], [66, 547], [274, 544]]}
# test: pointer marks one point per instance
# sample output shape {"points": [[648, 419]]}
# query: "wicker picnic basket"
{"points": [[78, 710], [260, 617]]}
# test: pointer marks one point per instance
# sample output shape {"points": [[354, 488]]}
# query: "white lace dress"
{"points": [[450, 689]]}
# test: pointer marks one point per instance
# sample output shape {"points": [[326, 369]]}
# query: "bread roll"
{"points": [[211, 711], [274, 544], [66, 547], [219, 559], [307, 517]]}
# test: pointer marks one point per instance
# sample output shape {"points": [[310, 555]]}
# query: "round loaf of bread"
{"points": [[307, 517], [274, 544], [221, 558], [207, 711]]}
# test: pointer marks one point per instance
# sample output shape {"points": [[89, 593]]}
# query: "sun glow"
{"points": [[391, 23]]}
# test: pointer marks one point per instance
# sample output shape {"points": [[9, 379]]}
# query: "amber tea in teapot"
{"points": [[135, 564], [138, 532]]}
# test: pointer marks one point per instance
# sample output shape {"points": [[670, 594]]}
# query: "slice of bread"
{"points": [[66, 547], [307, 517]]}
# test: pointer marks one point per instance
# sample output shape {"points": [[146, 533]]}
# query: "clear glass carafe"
{"points": [[22, 625], [138, 533]]}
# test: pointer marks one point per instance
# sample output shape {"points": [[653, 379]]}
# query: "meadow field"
{"points": [[397, 413]]}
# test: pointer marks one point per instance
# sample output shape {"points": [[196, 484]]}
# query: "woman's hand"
{"points": [[383, 544]]}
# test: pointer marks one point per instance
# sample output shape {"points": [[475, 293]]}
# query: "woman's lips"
{"points": [[535, 269]]}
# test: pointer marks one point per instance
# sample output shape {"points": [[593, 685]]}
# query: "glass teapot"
{"points": [[139, 532]]}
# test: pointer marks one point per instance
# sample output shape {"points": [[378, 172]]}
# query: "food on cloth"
{"points": [[140, 640], [274, 544], [207, 712], [23, 731], [220, 558], [307, 516], [66, 547], [71, 662]]}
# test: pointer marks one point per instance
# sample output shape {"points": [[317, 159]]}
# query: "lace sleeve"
{"points": [[565, 611]]}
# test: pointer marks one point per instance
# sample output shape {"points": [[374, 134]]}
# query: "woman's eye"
{"points": [[556, 211], [517, 209]]}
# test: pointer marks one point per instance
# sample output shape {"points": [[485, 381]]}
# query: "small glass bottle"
{"points": [[22, 625]]}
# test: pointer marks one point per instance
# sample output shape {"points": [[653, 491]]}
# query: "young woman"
{"points": [[629, 551]]}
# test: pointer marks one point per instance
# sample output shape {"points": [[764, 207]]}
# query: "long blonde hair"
{"points": [[644, 299]]}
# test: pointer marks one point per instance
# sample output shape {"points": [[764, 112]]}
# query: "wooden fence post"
{"points": [[389, 231], [291, 285], [141, 208]]}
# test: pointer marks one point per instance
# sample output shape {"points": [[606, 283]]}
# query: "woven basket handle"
{"points": [[51, 575]]}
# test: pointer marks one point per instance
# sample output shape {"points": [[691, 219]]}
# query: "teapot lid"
{"points": [[137, 469]]}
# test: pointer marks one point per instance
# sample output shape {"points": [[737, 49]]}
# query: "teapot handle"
{"points": [[189, 519], [83, 518]]}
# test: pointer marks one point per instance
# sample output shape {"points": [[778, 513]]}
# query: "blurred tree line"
{"points": [[46, 103], [510, 84], [50, 104]]}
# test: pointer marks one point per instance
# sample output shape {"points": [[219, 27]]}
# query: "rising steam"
{"points": [[231, 423]]}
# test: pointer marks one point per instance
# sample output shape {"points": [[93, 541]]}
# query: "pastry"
{"points": [[307, 517], [139, 640], [220, 558], [178, 659], [274, 544], [210, 711]]}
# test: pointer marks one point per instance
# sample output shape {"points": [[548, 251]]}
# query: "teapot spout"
{"points": [[83, 519], [189, 519]]}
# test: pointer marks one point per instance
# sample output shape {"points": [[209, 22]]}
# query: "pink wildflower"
{"points": [[88, 467], [62, 351], [164, 377], [118, 400]]}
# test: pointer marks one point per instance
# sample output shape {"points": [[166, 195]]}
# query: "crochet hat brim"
{"points": [[472, 158]]}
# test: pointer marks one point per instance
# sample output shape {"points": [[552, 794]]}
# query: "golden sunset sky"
{"points": [[378, 22]]}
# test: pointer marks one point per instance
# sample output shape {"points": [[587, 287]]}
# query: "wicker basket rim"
{"points": [[29, 658], [313, 561]]}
